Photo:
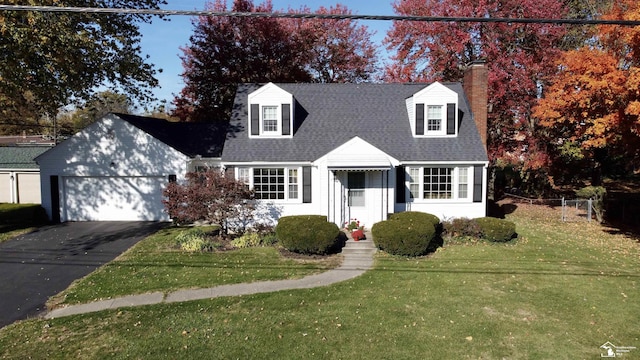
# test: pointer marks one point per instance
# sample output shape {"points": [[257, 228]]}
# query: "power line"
{"points": [[163, 12]]}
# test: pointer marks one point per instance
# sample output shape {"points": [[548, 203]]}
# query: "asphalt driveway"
{"points": [[35, 266]]}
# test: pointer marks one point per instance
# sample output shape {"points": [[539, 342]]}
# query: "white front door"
{"points": [[357, 196]]}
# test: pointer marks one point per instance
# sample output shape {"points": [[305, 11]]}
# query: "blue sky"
{"points": [[162, 40]]}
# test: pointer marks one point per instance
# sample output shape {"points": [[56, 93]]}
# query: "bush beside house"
{"points": [[307, 234], [487, 228], [496, 230], [405, 234]]}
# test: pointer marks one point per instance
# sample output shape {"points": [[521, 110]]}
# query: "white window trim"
{"points": [[443, 120], [455, 184], [278, 131], [286, 199]]}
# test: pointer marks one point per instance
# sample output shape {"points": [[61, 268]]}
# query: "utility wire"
{"points": [[163, 12]]}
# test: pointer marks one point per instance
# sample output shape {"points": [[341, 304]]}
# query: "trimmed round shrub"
{"points": [[496, 230], [416, 216], [307, 234], [404, 235]]}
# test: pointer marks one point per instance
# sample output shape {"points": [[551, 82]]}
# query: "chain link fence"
{"points": [[577, 210], [573, 210]]}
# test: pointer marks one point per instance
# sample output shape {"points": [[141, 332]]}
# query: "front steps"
{"points": [[359, 254]]}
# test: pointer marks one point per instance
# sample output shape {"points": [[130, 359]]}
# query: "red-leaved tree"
{"points": [[520, 58], [211, 196], [225, 51], [334, 51]]}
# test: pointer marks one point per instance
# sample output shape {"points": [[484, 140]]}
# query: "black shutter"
{"points": [[255, 119], [477, 183], [451, 119], [401, 188], [419, 119], [306, 184], [286, 119]]}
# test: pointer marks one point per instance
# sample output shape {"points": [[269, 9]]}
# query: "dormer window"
{"points": [[434, 118], [435, 111], [270, 113], [269, 119]]}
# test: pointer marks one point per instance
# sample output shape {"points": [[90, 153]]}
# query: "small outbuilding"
{"points": [[20, 174]]}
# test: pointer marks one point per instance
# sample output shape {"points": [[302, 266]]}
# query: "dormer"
{"points": [[433, 112], [270, 113]]}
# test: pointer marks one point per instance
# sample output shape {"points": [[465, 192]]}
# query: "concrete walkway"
{"points": [[357, 259]]}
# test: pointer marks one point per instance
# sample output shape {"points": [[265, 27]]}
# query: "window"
{"points": [[269, 183], [269, 119], [434, 118], [437, 183], [463, 183], [273, 183], [356, 181], [293, 183], [244, 175], [440, 183], [414, 182]]}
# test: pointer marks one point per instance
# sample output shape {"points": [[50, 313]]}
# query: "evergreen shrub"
{"points": [[404, 235], [496, 230], [307, 234]]}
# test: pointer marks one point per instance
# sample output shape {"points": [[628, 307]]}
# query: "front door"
{"points": [[356, 196]]}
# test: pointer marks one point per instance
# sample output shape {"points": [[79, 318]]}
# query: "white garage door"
{"points": [[113, 198], [6, 188], [28, 188]]}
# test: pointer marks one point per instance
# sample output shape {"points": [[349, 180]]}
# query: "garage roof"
{"points": [[20, 157], [191, 139]]}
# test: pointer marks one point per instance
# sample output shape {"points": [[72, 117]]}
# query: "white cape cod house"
{"points": [[347, 151]]}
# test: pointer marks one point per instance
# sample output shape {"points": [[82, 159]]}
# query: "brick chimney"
{"points": [[475, 83]]}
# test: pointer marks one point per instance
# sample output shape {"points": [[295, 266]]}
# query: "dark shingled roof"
{"points": [[20, 157], [328, 115], [191, 139]]}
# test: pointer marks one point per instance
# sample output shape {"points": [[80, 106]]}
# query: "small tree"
{"points": [[210, 196]]}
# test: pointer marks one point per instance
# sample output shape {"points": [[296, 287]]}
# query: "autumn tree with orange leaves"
{"points": [[592, 110]]}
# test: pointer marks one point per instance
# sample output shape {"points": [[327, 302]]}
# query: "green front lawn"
{"points": [[156, 264], [17, 219], [558, 292]]}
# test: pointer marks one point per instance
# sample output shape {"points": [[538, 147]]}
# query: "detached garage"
{"points": [[19, 174], [117, 168]]}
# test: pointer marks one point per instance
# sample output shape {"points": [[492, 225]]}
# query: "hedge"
{"points": [[497, 230], [307, 234], [416, 216], [404, 235]]}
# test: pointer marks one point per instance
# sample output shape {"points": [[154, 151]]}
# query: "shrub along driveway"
{"points": [[38, 265]]}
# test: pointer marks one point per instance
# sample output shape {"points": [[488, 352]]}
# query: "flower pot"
{"points": [[357, 235]]}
